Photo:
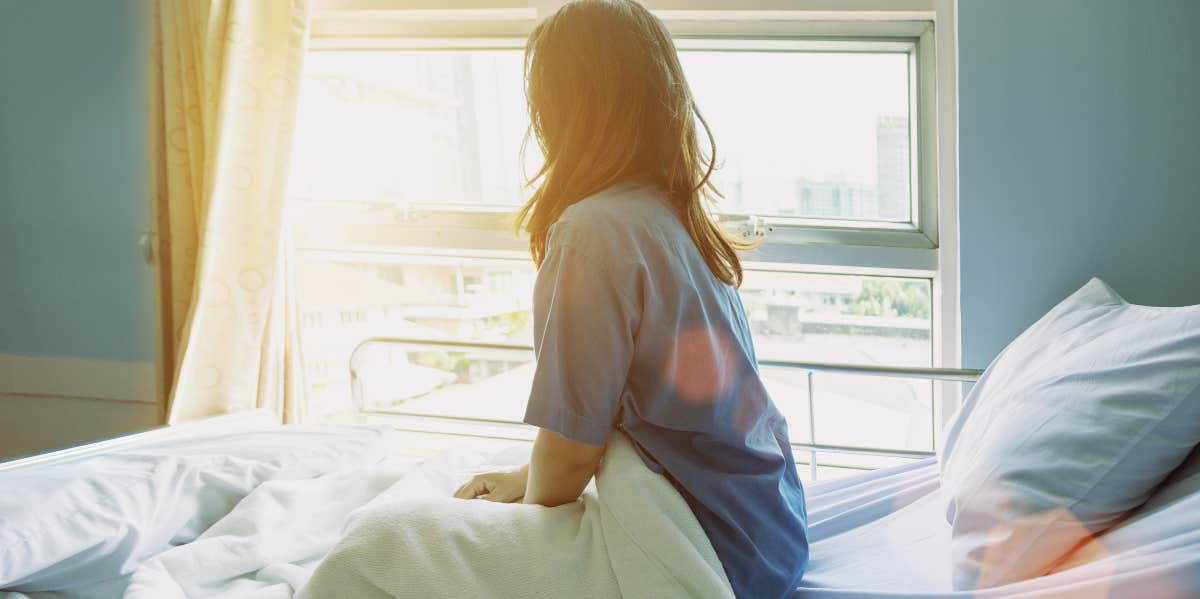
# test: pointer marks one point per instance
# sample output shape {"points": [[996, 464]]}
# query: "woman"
{"points": [[638, 325]]}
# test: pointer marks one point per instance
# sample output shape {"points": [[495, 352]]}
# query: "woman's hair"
{"points": [[608, 104]]}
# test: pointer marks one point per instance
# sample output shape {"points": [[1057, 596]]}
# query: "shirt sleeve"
{"points": [[585, 312]]}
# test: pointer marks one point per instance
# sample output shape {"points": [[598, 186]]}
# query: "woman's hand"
{"points": [[502, 487]]}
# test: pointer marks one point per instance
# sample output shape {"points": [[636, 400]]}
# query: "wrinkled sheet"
{"points": [[632, 536], [881, 535], [269, 545], [79, 526]]}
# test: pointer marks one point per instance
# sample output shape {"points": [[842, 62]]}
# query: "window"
{"points": [[406, 174], [872, 320], [822, 134]]}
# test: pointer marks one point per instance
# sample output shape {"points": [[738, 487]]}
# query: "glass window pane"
{"points": [[346, 298], [859, 462], [809, 134], [853, 320], [872, 411], [805, 317], [839, 318], [840, 465], [788, 388], [854, 410], [467, 383], [831, 466], [411, 127]]}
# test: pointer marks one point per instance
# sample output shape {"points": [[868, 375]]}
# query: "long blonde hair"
{"points": [[608, 103]]}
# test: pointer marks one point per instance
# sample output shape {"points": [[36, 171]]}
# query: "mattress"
{"points": [[881, 535], [884, 535], [76, 523]]}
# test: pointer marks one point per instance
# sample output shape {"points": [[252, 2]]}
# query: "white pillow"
{"points": [[96, 518], [1072, 426], [1163, 531]]}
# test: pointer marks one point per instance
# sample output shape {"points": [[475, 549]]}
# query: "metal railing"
{"points": [[516, 430]]}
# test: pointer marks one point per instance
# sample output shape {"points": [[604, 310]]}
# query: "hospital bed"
{"points": [[881, 534]]}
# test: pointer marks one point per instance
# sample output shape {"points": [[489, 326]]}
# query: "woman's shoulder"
{"points": [[627, 227], [621, 210]]}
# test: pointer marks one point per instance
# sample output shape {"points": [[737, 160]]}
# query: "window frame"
{"points": [[824, 242]]}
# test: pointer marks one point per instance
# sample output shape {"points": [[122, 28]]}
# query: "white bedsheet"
{"points": [[83, 524], [876, 536], [412, 540], [884, 535]]}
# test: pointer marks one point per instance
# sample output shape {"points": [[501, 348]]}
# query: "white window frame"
{"points": [[830, 242], [925, 247]]}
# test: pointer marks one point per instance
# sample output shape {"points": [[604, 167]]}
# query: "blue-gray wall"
{"points": [[73, 191], [1079, 155]]}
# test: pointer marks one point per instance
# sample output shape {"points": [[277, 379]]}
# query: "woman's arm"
{"points": [[560, 468]]}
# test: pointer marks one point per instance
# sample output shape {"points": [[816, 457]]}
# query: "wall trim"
{"points": [[82, 378], [948, 309]]}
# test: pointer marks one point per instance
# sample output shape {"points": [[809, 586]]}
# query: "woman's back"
{"points": [[634, 330]]}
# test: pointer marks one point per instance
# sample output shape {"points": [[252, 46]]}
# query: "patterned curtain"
{"points": [[224, 87]]}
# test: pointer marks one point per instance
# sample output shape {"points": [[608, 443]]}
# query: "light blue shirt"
{"points": [[633, 331]]}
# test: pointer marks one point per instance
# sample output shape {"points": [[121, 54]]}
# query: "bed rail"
{"points": [[515, 430]]}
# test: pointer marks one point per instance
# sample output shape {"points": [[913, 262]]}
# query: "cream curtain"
{"points": [[224, 85]]}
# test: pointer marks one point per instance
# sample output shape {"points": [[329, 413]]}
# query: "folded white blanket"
{"points": [[634, 537], [269, 544], [395, 531]]}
